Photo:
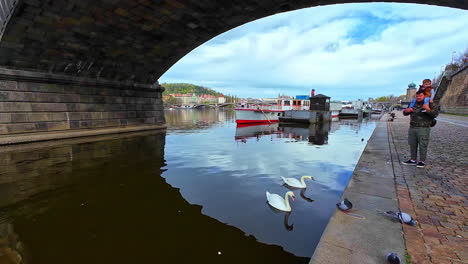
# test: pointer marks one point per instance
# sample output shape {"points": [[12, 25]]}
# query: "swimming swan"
{"points": [[279, 203], [296, 183]]}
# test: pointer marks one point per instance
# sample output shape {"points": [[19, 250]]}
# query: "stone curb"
{"points": [[34, 137]]}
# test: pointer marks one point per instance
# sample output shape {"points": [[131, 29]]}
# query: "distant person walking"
{"points": [[422, 116]]}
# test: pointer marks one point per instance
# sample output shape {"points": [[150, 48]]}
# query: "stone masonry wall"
{"points": [[40, 107], [455, 99]]}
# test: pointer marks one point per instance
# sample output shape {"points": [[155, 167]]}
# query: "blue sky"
{"points": [[346, 51]]}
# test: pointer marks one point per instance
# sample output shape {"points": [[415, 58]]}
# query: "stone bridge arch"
{"points": [[129, 40], [84, 64]]}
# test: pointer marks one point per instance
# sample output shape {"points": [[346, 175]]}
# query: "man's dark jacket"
{"points": [[420, 117]]}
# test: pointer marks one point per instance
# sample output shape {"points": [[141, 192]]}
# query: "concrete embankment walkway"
{"points": [[365, 235]]}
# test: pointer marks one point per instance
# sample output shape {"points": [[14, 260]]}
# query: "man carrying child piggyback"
{"points": [[422, 113]]}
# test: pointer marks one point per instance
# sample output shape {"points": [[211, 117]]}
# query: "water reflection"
{"points": [[229, 178], [189, 119], [12, 250], [316, 134], [104, 201], [176, 197]]}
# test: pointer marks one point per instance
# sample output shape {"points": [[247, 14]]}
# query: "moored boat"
{"points": [[257, 114], [269, 113]]}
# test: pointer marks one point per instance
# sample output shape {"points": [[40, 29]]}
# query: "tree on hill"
{"points": [[185, 88], [390, 98], [172, 100]]}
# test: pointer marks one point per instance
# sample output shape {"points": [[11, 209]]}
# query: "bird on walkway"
{"points": [[344, 205], [393, 258], [402, 217]]}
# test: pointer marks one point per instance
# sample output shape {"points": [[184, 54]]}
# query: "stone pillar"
{"points": [[39, 102]]}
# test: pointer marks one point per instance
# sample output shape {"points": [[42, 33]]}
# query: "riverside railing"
{"points": [[6, 10]]}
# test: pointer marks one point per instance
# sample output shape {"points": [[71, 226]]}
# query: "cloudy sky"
{"points": [[345, 51]]}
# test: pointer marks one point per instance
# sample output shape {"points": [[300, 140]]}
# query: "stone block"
{"points": [[96, 115], [135, 121], [72, 107], [120, 115], [59, 116], [5, 96], [105, 115], [131, 114], [44, 97], [5, 117], [8, 85], [149, 113], [99, 100], [21, 128], [85, 98], [86, 116], [41, 126], [70, 98], [20, 117], [40, 87], [113, 122], [15, 107], [51, 126], [3, 128], [85, 124], [48, 107], [75, 115], [82, 107], [98, 123], [118, 100], [74, 124], [40, 117]]}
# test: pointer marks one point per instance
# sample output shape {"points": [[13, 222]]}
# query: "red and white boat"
{"points": [[252, 113], [264, 113]]}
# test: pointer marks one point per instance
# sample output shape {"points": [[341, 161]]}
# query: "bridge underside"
{"points": [[96, 63], [129, 40]]}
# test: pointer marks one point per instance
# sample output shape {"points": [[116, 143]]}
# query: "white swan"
{"points": [[278, 202], [296, 183]]}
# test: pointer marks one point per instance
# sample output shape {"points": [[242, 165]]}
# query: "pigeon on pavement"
{"points": [[344, 205]]}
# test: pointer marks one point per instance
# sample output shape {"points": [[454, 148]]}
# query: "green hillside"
{"points": [[184, 88]]}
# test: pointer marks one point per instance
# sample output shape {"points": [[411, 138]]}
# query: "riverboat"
{"points": [[268, 113], [252, 113]]}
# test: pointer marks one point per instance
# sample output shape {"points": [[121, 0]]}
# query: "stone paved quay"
{"points": [[436, 196]]}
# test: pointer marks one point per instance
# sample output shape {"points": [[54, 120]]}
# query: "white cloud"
{"points": [[346, 51]]}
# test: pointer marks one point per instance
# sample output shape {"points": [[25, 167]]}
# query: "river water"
{"points": [[194, 193]]}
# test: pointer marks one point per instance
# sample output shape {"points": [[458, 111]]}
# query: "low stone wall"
{"points": [[41, 105], [455, 99]]}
